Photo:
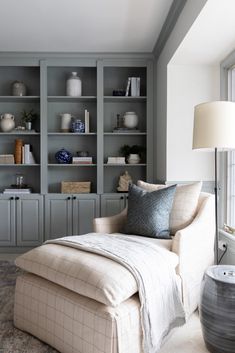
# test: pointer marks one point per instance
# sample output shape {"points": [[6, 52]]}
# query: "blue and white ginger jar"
{"points": [[78, 125]]}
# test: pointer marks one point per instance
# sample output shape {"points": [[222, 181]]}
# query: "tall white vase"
{"points": [[74, 85]]}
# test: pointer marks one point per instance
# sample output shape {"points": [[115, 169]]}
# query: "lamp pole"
{"points": [[216, 211]]}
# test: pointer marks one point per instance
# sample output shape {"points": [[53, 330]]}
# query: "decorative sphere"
{"points": [[64, 157]]}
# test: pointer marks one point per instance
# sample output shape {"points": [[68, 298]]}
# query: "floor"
{"points": [[186, 339]]}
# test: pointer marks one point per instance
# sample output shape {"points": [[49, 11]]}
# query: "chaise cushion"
{"points": [[85, 273], [184, 205]]}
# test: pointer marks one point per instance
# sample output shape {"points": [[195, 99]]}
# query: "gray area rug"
{"points": [[13, 340]]}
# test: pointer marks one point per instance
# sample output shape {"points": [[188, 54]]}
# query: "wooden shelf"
{"points": [[20, 133], [71, 99], [19, 98], [19, 165], [125, 165], [123, 99], [125, 133], [70, 165], [72, 134]]}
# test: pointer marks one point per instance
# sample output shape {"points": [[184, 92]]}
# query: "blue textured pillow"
{"points": [[148, 212]]}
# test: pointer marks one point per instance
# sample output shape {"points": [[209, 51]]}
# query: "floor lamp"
{"points": [[214, 129]]}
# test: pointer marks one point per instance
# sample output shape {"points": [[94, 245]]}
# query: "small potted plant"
{"points": [[28, 117], [133, 154]]}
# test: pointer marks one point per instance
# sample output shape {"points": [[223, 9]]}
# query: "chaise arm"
{"points": [[112, 224], [195, 247]]}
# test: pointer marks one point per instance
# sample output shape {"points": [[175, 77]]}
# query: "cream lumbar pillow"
{"points": [[184, 205]]}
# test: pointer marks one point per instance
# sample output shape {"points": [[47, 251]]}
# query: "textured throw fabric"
{"points": [[148, 212], [184, 205], [85, 273], [161, 306]]}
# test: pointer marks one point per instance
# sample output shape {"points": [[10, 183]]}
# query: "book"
{"points": [[116, 160], [82, 160], [17, 191], [128, 86], [133, 87], [138, 86], [26, 154], [87, 122]]}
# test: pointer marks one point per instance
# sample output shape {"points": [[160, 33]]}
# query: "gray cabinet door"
{"points": [[29, 219], [58, 216], [85, 209], [112, 204], [7, 221]]}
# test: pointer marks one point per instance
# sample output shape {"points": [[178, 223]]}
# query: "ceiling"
{"points": [[211, 37], [81, 25]]}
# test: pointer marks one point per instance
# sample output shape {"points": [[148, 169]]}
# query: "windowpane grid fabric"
{"points": [[75, 324]]}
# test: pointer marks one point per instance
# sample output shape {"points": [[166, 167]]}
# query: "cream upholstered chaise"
{"points": [[194, 245], [50, 306]]}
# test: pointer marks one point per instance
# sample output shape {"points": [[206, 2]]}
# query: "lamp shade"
{"points": [[214, 125]]}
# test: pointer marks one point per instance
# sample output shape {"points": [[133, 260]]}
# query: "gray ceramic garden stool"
{"points": [[217, 309]]}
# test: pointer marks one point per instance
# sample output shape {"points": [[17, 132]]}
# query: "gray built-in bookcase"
{"points": [[52, 213]]}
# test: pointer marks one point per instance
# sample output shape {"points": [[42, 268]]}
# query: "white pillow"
{"points": [[184, 205]]}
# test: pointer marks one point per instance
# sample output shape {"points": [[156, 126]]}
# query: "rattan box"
{"points": [[75, 187]]}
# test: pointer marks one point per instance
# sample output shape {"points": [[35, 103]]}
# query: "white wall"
{"points": [[189, 13], [188, 86]]}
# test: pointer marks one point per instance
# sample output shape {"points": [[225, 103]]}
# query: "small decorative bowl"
{"points": [[119, 92], [82, 153]]}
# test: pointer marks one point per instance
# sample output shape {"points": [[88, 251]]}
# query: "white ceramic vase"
{"points": [[133, 159], [65, 122], [74, 86], [7, 122], [130, 120]]}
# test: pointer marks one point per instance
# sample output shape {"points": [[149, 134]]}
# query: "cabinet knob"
{"points": [[127, 197], [74, 197], [12, 198], [17, 198], [68, 198], [121, 197]]}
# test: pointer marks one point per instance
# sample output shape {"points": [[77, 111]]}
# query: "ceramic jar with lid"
{"points": [[18, 88], [130, 120], [77, 125], [7, 122], [74, 85]]}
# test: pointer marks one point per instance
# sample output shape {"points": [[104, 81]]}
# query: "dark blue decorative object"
{"points": [[63, 156], [78, 126]]}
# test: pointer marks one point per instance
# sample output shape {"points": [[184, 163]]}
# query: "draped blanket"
{"points": [[152, 268]]}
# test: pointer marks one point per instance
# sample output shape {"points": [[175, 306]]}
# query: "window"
{"points": [[231, 160]]}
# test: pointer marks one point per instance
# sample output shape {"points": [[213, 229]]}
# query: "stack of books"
{"points": [[17, 191], [82, 160], [27, 155], [116, 160], [133, 87], [23, 153]]}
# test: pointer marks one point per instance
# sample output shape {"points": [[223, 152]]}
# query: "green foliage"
{"points": [[29, 116], [135, 149]]}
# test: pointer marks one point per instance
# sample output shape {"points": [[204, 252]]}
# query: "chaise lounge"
{"points": [[59, 299]]}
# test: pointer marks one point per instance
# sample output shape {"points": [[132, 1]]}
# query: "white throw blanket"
{"points": [[161, 306]]}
